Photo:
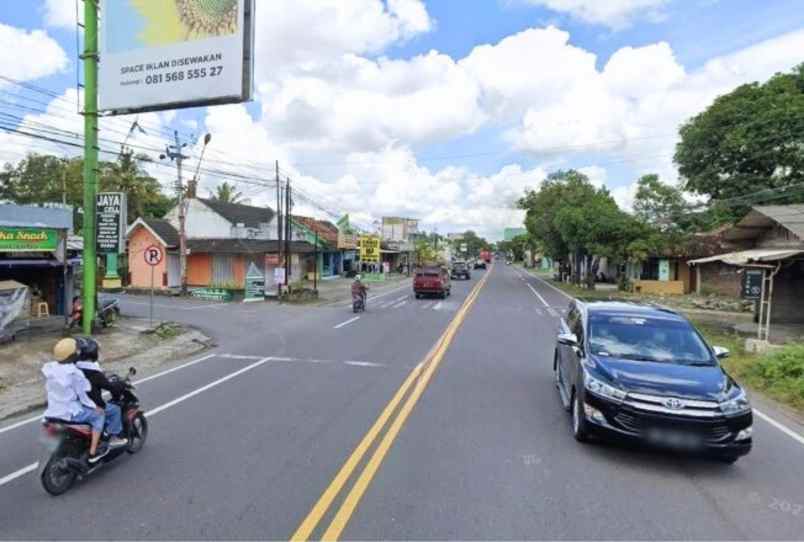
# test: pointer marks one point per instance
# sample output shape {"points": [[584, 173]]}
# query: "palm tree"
{"points": [[226, 193]]}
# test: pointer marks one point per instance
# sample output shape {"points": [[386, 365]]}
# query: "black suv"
{"points": [[460, 270], [644, 372]]}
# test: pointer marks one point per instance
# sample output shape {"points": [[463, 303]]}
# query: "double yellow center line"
{"points": [[418, 379]]}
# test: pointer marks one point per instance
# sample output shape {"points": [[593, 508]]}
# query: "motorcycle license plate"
{"points": [[50, 442]]}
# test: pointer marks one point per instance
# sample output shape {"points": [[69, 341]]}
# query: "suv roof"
{"points": [[629, 307]]}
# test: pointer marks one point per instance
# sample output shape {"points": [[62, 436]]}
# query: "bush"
{"points": [[782, 372]]}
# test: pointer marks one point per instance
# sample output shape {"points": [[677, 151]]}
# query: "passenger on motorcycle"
{"points": [[359, 289], [88, 363], [67, 389]]}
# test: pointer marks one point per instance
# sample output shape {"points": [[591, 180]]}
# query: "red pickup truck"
{"points": [[432, 281]]}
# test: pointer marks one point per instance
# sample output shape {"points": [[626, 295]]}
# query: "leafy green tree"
{"points": [[749, 140], [227, 193], [426, 252], [474, 244], [144, 193], [42, 178]]}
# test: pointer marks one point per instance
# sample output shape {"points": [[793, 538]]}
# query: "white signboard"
{"points": [[279, 275], [167, 54]]}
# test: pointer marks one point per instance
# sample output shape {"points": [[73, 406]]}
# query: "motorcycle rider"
{"points": [[67, 389], [359, 289], [88, 364]]}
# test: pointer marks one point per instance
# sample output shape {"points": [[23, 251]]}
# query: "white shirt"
{"points": [[67, 389]]}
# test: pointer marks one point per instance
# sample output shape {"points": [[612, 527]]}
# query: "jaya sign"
{"points": [[111, 213], [167, 54], [28, 239]]}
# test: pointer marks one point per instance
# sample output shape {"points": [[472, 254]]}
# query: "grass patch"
{"points": [[778, 375]]}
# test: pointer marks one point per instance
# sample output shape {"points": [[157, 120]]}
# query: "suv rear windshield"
{"points": [[431, 274], [459, 266], [647, 339]]}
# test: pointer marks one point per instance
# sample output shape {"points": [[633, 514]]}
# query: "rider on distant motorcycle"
{"points": [[359, 290]]}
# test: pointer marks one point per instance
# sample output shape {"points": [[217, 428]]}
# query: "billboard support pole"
{"points": [[90, 60]]}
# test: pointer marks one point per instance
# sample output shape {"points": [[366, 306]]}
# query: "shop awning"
{"points": [[747, 257], [37, 263]]}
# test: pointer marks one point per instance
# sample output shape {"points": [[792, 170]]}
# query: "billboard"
{"points": [[167, 54], [399, 229], [369, 249]]}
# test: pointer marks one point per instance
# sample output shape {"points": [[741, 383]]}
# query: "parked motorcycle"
{"points": [[107, 313], [66, 444]]}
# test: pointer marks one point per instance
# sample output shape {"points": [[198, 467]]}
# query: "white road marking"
{"points": [[137, 382], [389, 292], [400, 304], [532, 289], [33, 466], [437, 306], [783, 428], [16, 474], [346, 323], [363, 364], [427, 306]]}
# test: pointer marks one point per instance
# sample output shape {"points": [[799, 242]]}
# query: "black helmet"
{"points": [[89, 348]]}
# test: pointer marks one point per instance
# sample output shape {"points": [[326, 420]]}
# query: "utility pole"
{"points": [[279, 219], [174, 153], [288, 230], [315, 267], [90, 59]]}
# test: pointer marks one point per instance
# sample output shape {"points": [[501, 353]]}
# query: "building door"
{"points": [[222, 270], [173, 271]]}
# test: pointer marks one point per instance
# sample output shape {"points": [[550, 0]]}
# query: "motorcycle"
{"points": [[358, 303], [66, 444], [107, 314]]}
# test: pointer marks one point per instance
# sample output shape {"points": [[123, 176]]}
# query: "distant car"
{"points": [[507, 262], [480, 264], [432, 281], [644, 373], [460, 270]]}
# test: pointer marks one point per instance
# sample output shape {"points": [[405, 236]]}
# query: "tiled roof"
{"points": [[326, 230], [237, 213], [164, 230], [244, 246]]}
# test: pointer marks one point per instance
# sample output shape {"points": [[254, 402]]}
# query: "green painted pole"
{"points": [[90, 59]]}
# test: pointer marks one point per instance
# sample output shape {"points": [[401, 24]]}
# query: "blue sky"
{"points": [[447, 110]]}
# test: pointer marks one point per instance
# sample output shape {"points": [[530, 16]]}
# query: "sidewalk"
{"points": [[21, 382]]}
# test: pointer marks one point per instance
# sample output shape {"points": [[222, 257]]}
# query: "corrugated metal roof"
{"points": [[34, 216], [789, 216], [238, 213], [746, 257]]}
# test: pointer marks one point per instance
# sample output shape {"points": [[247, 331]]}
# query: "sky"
{"points": [[444, 110]]}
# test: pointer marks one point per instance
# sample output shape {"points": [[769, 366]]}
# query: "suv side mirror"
{"points": [[568, 339], [721, 352]]}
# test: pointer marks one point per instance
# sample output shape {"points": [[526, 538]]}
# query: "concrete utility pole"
{"points": [[279, 218], [90, 59], [174, 153]]}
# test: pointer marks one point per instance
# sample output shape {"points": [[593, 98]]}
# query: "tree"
{"points": [[749, 140], [474, 244], [144, 193], [426, 252], [226, 193], [569, 218], [42, 178]]}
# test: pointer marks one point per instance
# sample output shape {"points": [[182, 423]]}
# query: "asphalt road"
{"points": [[295, 423]]}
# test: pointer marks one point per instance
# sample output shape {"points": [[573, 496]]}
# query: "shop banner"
{"points": [[28, 239], [369, 249], [167, 54]]}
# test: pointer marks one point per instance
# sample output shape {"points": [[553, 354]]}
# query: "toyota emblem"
{"points": [[673, 403]]}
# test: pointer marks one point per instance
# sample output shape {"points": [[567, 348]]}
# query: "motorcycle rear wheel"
{"points": [[138, 433], [55, 477]]}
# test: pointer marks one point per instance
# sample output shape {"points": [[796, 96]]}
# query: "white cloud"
{"points": [[61, 13], [29, 55], [616, 14]]}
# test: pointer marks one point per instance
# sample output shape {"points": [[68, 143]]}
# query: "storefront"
{"points": [[35, 250]]}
